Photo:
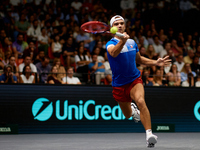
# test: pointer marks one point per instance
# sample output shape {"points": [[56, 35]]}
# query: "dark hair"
{"points": [[45, 57], [171, 68], [43, 28], [20, 34], [24, 69], [11, 56], [7, 66], [195, 56]]}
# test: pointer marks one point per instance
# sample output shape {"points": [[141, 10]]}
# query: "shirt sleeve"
{"points": [[15, 78]]}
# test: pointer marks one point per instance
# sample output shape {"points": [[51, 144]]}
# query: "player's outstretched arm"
{"points": [[150, 62]]}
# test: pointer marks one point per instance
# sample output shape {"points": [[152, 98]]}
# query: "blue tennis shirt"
{"points": [[123, 66]]}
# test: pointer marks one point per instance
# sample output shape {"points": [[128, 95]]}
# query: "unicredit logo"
{"points": [[42, 110], [196, 110]]}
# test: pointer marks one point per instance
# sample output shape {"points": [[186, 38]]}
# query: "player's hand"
{"points": [[125, 37], [163, 61]]}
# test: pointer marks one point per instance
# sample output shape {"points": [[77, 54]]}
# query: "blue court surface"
{"points": [[100, 141]]}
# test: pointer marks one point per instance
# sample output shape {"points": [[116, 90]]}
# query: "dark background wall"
{"points": [[168, 106]]}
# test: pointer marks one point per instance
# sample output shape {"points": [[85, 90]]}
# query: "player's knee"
{"points": [[128, 115], [140, 103]]}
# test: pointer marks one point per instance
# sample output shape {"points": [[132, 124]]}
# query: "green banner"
{"points": [[9, 129], [163, 127]]}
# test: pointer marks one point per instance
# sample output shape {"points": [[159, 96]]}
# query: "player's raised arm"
{"points": [[118, 22], [114, 50]]}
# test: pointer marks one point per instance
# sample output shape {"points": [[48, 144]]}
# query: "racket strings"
{"points": [[95, 27]]}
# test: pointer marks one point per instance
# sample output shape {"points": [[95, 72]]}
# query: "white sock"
{"points": [[148, 132]]}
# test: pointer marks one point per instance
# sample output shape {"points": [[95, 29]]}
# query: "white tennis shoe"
{"points": [[151, 140], [135, 112]]}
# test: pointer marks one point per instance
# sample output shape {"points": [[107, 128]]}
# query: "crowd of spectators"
{"points": [[41, 40]]}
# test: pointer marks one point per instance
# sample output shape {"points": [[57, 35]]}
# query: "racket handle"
{"points": [[119, 34]]}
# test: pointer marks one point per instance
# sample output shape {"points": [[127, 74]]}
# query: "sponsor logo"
{"points": [[197, 110], [161, 128], [5, 129], [42, 110]]}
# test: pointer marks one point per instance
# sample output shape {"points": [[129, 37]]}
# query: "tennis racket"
{"points": [[95, 27]]}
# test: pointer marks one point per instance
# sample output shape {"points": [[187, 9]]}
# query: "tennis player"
{"points": [[123, 53]]}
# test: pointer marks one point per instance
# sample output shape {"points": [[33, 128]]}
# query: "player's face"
{"points": [[120, 25]]}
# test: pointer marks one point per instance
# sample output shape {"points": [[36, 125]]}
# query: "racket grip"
{"points": [[119, 34]]}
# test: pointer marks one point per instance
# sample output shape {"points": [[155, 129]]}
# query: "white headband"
{"points": [[115, 18]]}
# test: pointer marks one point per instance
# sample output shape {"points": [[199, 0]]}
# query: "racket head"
{"points": [[95, 27]]}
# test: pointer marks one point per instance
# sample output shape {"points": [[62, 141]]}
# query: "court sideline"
{"points": [[99, 141]]}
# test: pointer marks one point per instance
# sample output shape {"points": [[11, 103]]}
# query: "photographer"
{"points": [[8, 76]]}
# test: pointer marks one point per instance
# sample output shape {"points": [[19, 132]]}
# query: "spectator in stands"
{"points": [[63, 34], [174, 76], [1, 63], [175, 48], [189, 57], [8, 76], [39, 57], [27, 61], [27, 76], [76, 4], [97, 52], [170, 35], [108, 71], [186, 71], [151, 55], [157, 46], [83, 37], [2, 35], [71, 15], [197, 83], [31, 51], [149, 37], [170, 53], [52, 78], [194, 45], [69, 51], [142, 51], [82, 61], [157, 78], [198, 52], [164, 51], [19, 46], [43, 41], [184, 5], [43, 69], [189, 82], [93, 43], [21, 26], [195, 64], [179, 63], [181, 40], [34, 31], [15, 68], [6, 45], [56, 47], [146, 78], [97, 70], [61, 69], [70, 79], [5, 61]]}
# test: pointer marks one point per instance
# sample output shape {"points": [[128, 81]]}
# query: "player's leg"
{"points": [[126, 109], [137, 94]]}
